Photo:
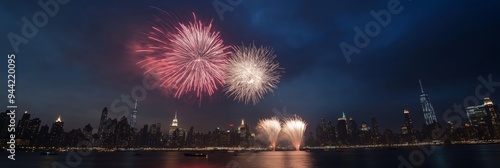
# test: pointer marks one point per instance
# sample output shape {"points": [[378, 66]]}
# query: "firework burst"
{"points": [[190, 57], [251, 73], [294, 128], [270, 129]]}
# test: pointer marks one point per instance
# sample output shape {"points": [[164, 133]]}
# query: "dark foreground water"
{"points": [[450, 156]]}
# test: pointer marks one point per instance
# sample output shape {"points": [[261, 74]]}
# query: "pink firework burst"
{"points": [[190, 57]]}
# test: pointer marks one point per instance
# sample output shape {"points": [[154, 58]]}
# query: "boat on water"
{"points": [[48, 153], [196, 154]]}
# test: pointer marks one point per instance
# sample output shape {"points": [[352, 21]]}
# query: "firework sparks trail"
{"points": [[190, 57], [251, 73], [294, 128], [270, 128]]}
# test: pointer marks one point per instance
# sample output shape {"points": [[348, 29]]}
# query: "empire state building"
{"points": [[173, 126]]}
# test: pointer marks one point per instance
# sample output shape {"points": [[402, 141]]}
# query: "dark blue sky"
{"points": [[80, 61]]}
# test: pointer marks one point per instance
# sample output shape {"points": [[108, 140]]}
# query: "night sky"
{"points": [[81, 61]]}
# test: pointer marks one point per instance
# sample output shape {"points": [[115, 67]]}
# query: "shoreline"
{"points": [[238, 149]]}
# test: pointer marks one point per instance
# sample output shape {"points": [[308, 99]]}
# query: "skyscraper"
{"points": [[407, 131], [122, 133], [375, 126], [353, 127], [87, 131], [493, 117], [365, 134], [325, 133], [133, 116], [4, 124], [353, 132], [155, 134], [477, 115], [43, 137], [57, 132], [428, 110], [173, 126], [408, 122], [244, 131], [485, 118], [342, 130], [22, 126], [376, 133], [33, 128], [102, 123]]}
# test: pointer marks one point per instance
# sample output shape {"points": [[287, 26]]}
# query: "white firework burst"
{"points": [[251, 73], [294, 128], [270, 129]]}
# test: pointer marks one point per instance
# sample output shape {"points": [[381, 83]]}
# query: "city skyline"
{"points": [[407, 125], [483, 126]]}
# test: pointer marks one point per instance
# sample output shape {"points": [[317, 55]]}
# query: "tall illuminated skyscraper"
{"points": [[407, 132], [485, 118], [173, 126], [176, 134], [493, 117], [133, 116], [342, 129], [244, 131], [428, 110], [57, 132], [408, 122]]}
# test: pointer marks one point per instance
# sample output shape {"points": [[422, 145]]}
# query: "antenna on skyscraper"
{"points": [[135, 106], [421, 88]]}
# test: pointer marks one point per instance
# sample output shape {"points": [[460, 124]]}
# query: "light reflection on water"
{"points": [[277, 159], [452, 156]]}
